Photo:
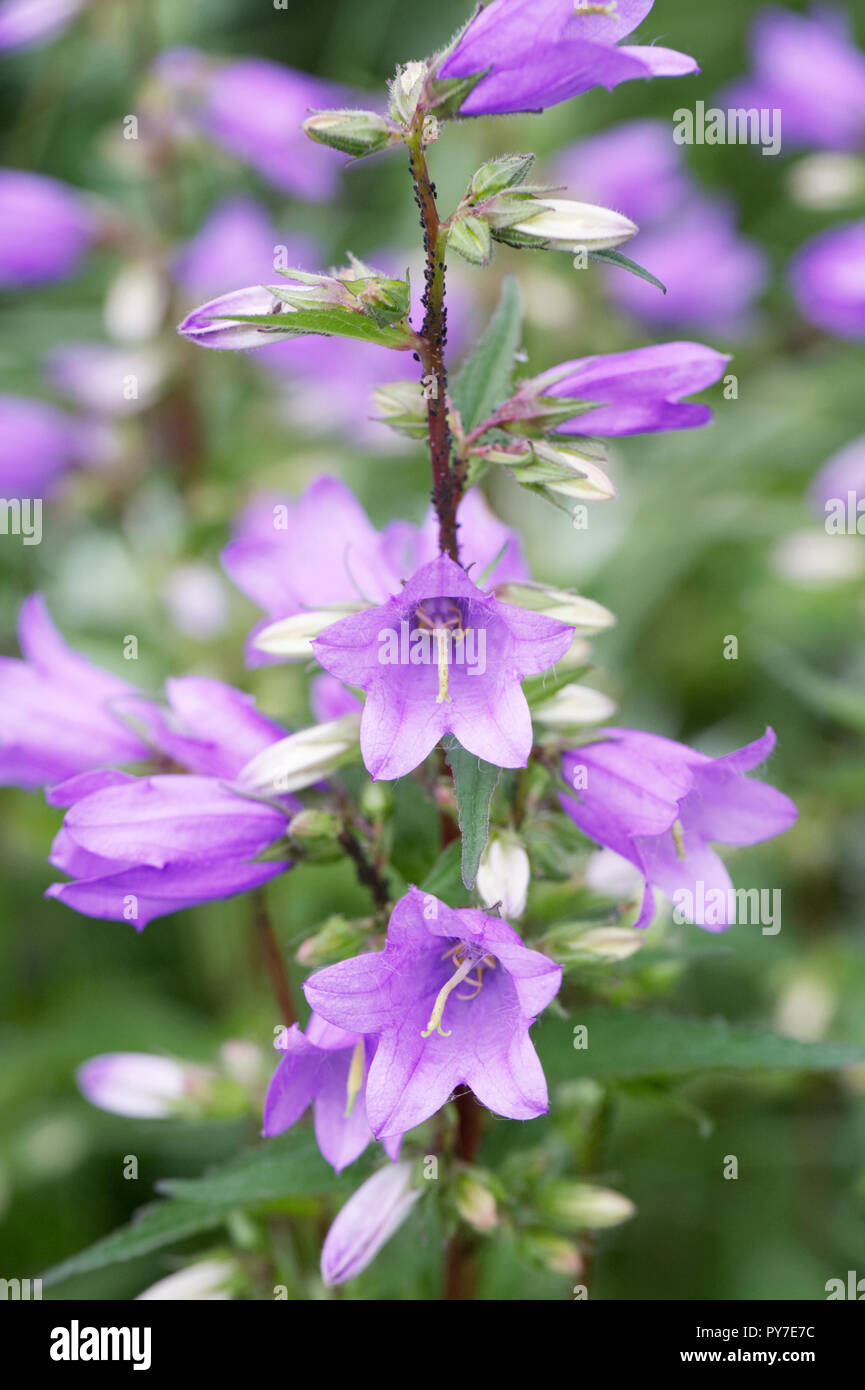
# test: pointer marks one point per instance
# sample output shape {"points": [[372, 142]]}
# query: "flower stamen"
{"points": [[355, 1077], [679, 840], [434, 1025]]}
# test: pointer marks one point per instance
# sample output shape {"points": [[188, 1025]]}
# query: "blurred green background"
{"points": [[687, 555]]}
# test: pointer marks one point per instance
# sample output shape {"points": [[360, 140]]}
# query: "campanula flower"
{"points": [[327, 1068], [532, 54], [660, 804], [442, 656], [450, 999], [639, 391], [828, 282], [45, 229]]}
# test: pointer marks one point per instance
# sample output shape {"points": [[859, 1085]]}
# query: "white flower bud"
{"points": [[582, 614], [138, 1083], [503, 876], [292, 637], [564, 225], [303, 758], [574, 706], [205, 1281]]}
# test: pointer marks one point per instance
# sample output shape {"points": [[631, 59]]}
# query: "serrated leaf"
{"points": [[624, 1044], [484, 380], [625, 263], [475, 781], [162, 1223], [285, 1167]]}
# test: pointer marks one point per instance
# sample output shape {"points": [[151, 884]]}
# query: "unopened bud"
{"points": [[336, 939], [354, 132], [573, 707], [205, 1280], [581, 1206], [302, 759], [582, 614], [575, 943], [291, 638], [475, 1202], [558, 224], [503, 876], [551, 1252], [565, 470], [471, 237], [401, 405], [499, 174]]}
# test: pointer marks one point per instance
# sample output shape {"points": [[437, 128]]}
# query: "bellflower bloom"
{"points": [[291, 555], [97, 376], [703, 232], [809, 68], [235, 245], [38, 444], [27, 22], [138, 848], [254, 108], [658, 804], [327, 1068], [827, 276], [639, 391], [442, 657], [367, 1221], [45, 229], [534, 54], [451, 1000], [58, 712], [633, 166], [842, 480]]}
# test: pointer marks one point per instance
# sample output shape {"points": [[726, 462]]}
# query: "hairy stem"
{"points": [[367, 873], [273, 962], [432, 338]]}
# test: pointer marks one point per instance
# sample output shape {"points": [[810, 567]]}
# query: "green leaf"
{"points": [[288, 1166], [330, 320], [624, 1044], [163, 1223], [285, 1167], [475, 782], [484, 380], [624, 263]]}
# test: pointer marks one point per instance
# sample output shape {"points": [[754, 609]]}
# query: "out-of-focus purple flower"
{"points": [[236, 245], [442, 657], [659, 804], [367, 1221], [141, 1084], [58, 712], [637, 167], [841, 475], [809, 68], [254, 108], [139, 848], [634, 167], [451, 1000], [712, 274], [38, 444], [45, 229], [321, 549], [27, 22], [197, 599], [106, 380], [535, 53], [639, 391], [827, 276], [324, 1067]]}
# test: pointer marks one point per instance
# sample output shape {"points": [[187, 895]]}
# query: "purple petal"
{"points": [[368, 1219], [139, 895]]}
